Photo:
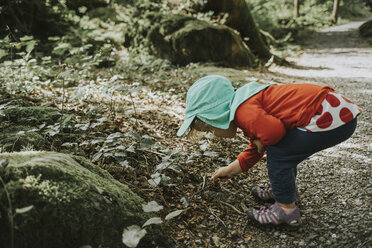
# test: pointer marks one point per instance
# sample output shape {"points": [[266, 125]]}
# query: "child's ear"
{"points": [[200, 125]]}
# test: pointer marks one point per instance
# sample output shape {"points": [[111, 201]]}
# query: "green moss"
{"points": [[15, 138], [31, 116], [75, 203], [183, 39]]}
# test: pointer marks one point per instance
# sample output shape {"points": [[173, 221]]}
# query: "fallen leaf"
{"points": [[154, 220], [132, 235]]}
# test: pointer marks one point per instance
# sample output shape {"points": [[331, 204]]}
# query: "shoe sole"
{"points": [[281, 226]]}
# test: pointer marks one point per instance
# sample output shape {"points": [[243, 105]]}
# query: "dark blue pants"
{"points": [[297, 145]]}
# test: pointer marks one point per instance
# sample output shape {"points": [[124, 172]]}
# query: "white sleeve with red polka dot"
{"points": [[334, 112]]}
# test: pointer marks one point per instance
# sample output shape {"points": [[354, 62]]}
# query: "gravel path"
{"points": [[335, 184]]}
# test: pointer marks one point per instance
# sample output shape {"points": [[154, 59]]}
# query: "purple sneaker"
{"points": [[275, 216], [266, 194]]}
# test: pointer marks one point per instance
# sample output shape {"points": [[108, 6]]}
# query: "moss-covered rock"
{"points": [[75, 203], [20, 126], [183, 39], [365, 30], [15, 138], [31, 116]]}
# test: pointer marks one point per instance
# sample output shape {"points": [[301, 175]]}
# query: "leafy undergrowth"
{"points": [[126, 123]]}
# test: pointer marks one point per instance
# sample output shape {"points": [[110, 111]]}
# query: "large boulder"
{"points": [[182, 39], [60, 201], [365, 30]]}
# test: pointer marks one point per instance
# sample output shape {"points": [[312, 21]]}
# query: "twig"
{"points": [[202, 188], [112, 107], [11, 33], [63, 95], [218, 218], [134, 107], [227, 190], [203, 182], [147, 166], [232, 207]]}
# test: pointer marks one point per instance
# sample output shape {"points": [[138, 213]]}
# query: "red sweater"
{"points": [[269, 114]]}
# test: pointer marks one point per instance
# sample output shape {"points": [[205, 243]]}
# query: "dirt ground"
{"points": [[335, 184]]}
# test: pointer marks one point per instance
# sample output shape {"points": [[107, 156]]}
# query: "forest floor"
{"points": [[335, 184], [132, 134]]}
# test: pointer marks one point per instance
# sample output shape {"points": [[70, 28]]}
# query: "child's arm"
{"points": [[227, 172], [234, 168], [250, 156]]}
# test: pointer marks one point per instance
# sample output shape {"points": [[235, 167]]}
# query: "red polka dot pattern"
{"points": [[325, 120], [347, 100], [332, 100], [346, 115], [334, 112]]}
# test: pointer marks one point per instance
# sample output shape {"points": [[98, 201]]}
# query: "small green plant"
{"points": [[62, 76]]}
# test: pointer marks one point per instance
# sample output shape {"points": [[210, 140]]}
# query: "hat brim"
{"points": [[186, 124]]}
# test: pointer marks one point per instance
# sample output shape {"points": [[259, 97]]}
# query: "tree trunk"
{"points": [[296, 8], [336, 5], [240, 19]]}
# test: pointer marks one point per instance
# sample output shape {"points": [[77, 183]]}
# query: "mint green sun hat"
{"points": [[214, 101]]}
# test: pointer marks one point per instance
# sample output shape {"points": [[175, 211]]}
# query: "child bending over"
{"points": [[289, 122]]}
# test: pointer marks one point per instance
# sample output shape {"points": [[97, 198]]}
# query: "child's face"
{"points": [[225, 133], [222, 133]]}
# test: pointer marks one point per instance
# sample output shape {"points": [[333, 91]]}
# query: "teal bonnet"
{"points": [[214, 101]]}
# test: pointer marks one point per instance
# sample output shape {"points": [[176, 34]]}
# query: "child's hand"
{"points": [[227, 172], [222, 174], [260, 148]]}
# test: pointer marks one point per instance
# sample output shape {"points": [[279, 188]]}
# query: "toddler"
{"points": [[289, 122]]}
